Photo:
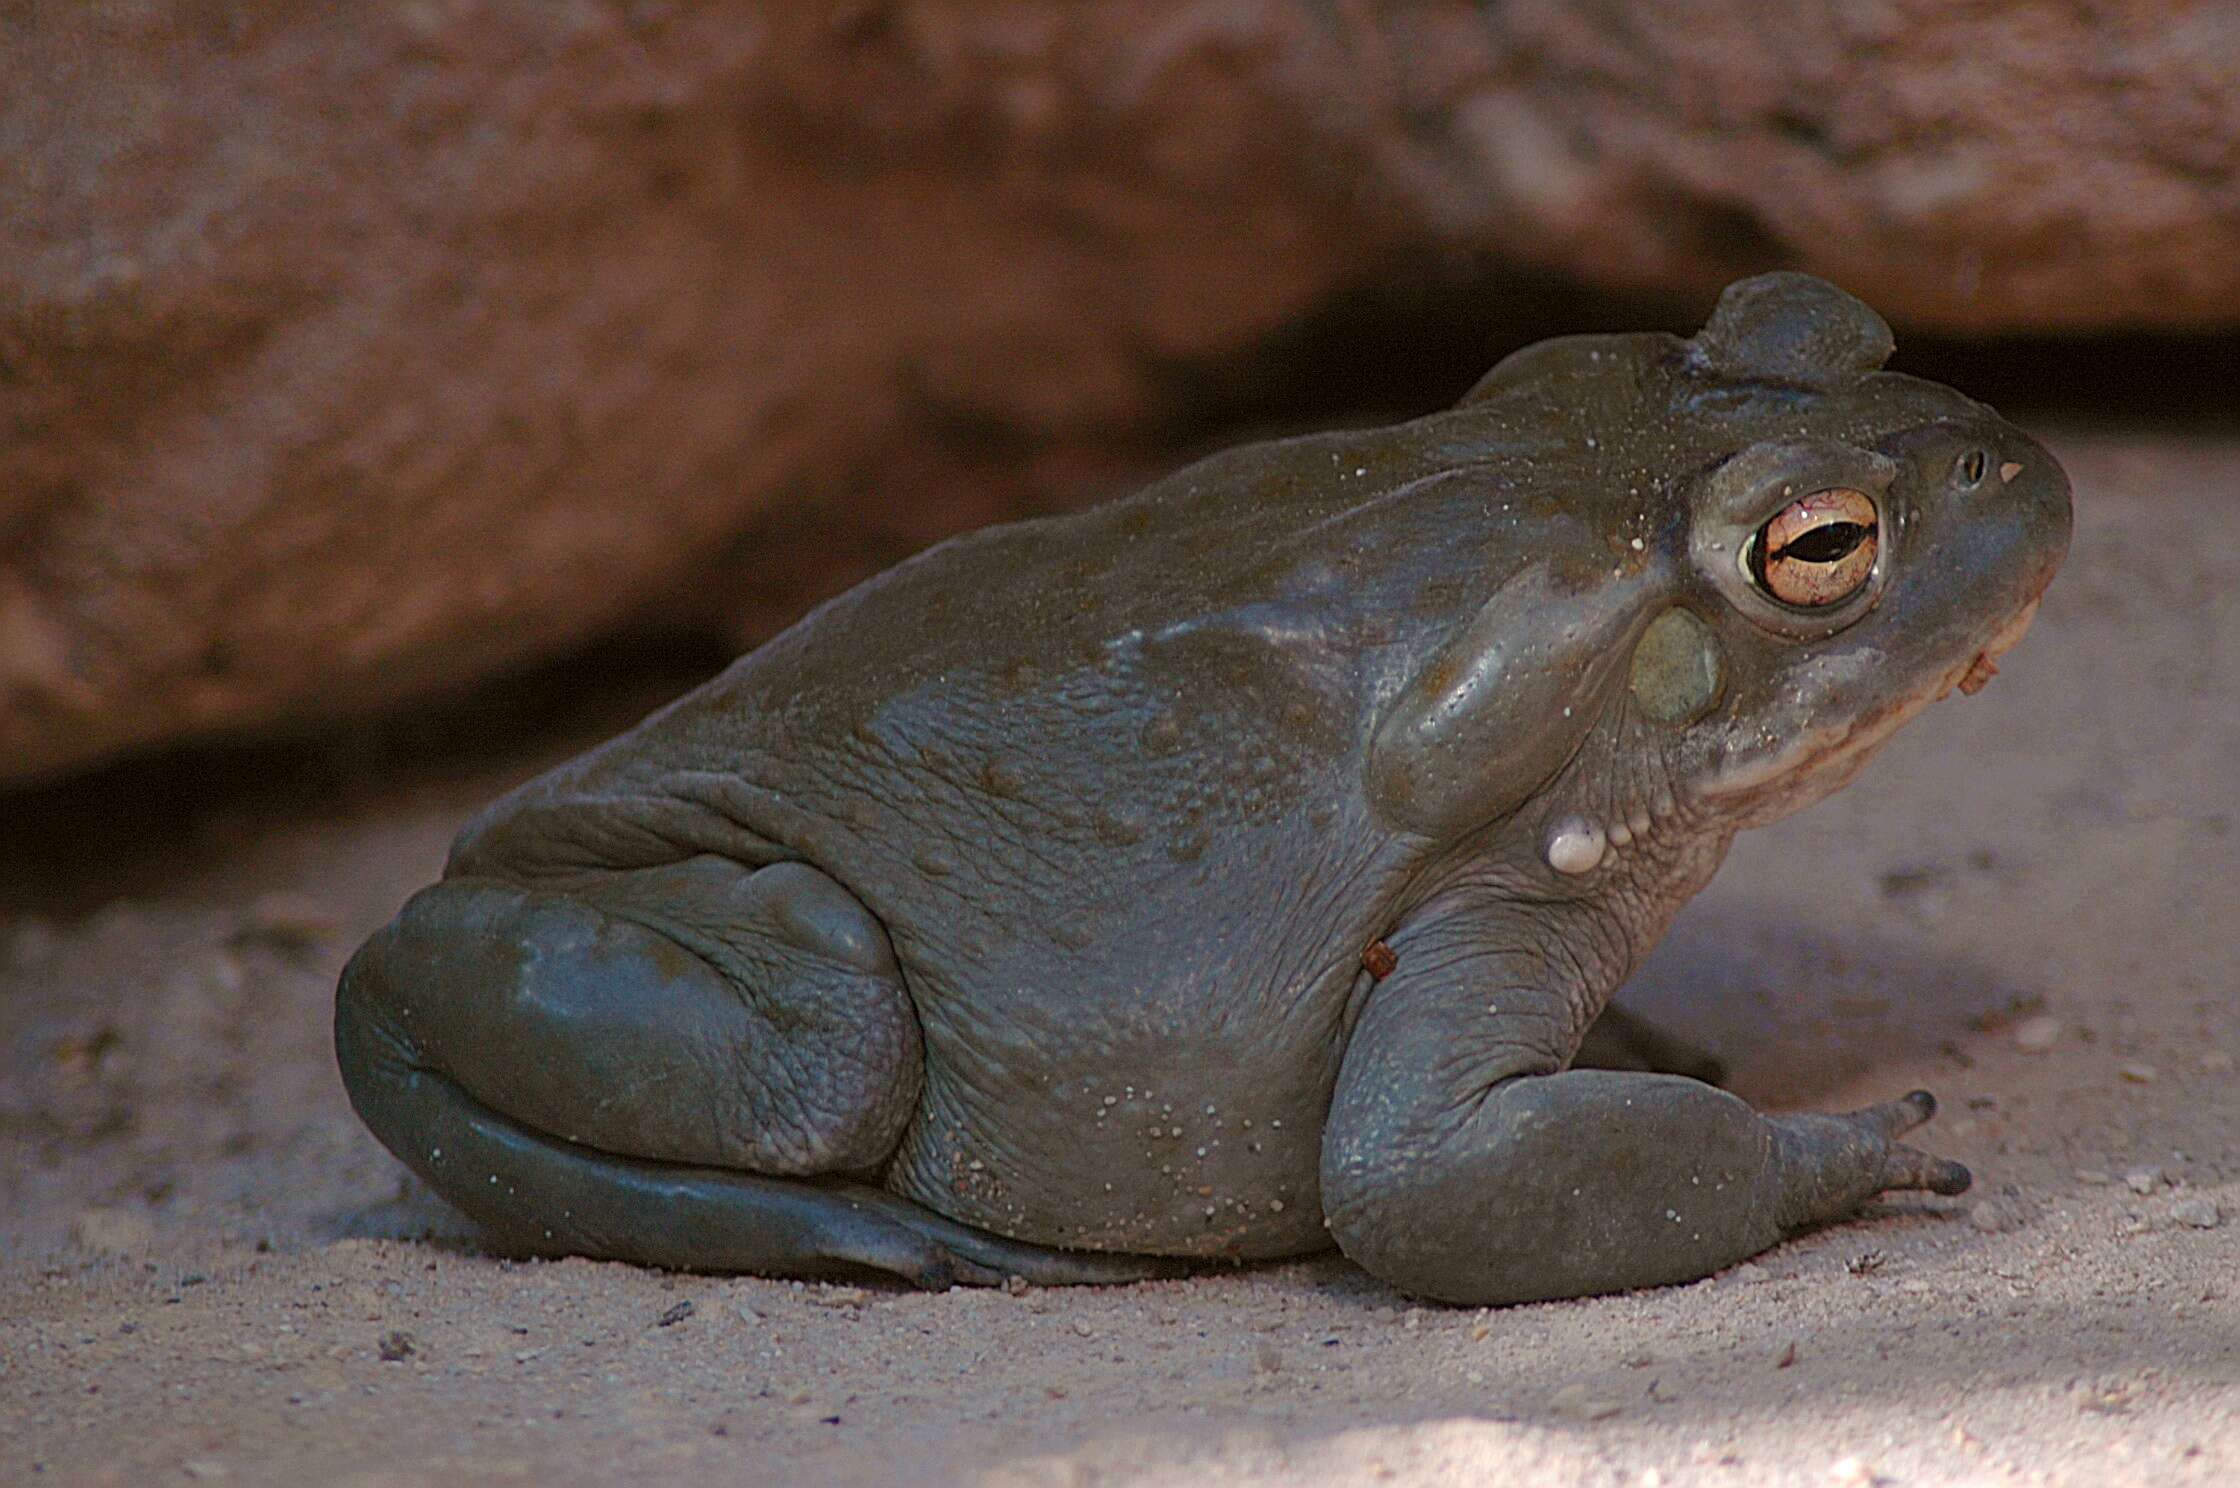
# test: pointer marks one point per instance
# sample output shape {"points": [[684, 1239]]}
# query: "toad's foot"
{"points": [[1835, 1163]]}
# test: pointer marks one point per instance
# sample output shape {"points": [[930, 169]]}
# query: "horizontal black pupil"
{"points": [[1825, 544]]}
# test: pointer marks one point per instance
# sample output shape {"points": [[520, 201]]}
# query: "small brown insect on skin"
{"points": [[1379, 960], [1980, 673]]}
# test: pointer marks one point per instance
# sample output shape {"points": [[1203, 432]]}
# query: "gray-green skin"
{"points": [[1008, 915]]}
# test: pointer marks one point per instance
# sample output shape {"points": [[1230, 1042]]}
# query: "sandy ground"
{"points": [[209, 1272]]}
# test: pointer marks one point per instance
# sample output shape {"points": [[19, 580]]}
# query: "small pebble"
{"points": [[396, 1345], [1849, 1470], [1582, 1404], [848, 1296], [1988, 1217], [2199, 1213], [2142, 1180], [2138, 1074], [2036, 1035], [674, 1315], [1082, 1327], [2093, 1176], [1268, 1359], [2216, 1062]]}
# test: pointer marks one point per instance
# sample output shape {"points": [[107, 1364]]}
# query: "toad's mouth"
{"points": [[1985, 665], [1823, 761]]}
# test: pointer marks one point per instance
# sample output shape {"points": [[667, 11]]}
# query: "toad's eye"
{"points": [[1817, 551]]}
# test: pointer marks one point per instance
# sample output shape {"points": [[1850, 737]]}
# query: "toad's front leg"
{"points": [[1462, 1161]]}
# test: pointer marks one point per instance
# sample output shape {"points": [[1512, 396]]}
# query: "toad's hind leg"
{"points": [[686, 1066]]}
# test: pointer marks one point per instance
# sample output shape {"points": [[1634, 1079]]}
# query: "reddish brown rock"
{"points": [[1972, 169], [351, 351]]}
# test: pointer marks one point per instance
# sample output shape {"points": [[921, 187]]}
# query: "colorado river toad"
{"points": [[1238, 868]]}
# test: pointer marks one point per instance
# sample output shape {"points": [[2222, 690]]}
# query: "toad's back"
{"points": [[1049, 759]]}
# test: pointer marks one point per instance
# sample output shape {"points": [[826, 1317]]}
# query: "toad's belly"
{"points": [[1195, 1158]]}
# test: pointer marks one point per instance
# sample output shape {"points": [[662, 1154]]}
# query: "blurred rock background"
{"points": [[352, 354]]}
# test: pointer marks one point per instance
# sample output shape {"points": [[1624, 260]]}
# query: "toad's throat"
{"points": [[1824, 760]]}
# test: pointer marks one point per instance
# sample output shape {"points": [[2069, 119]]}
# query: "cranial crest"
{"points": [[1792, 328]]}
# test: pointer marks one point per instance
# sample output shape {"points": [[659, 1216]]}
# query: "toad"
{"points": [[1238, 869]]}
